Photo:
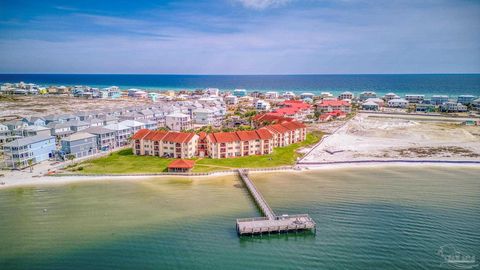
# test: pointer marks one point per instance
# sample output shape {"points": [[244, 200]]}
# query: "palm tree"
{"points": [[30, 164]]}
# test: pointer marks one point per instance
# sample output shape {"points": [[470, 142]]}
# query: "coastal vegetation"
{"points": [[124, 161]]}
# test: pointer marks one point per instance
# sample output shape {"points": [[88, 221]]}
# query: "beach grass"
{"points": [[125, 162]]}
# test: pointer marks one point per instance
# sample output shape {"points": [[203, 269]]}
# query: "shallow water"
{"points": [[386, 218]]}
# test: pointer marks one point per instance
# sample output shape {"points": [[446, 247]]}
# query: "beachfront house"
{"points": [[398, 103], [212, 91], [271, 95], [465, 99], [370, 106], [80, 144], [36, 148], [307, 95], [389, 96], [366, 95], [426, 108], [438, 99], [453, 107], [288, 95], [346, 95], [105, 137], [178, 121], [414, 98], [239, 92]]}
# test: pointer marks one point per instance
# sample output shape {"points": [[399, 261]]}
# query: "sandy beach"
{"points": [[369, 137], [26, 179]]}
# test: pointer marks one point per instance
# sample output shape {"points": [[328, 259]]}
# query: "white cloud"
{"points": [[262, 4]]}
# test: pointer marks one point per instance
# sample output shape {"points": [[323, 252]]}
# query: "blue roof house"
{"points": [[37, 148]]}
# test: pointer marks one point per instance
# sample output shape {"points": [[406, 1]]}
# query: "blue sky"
{"points": [[240, 36]]}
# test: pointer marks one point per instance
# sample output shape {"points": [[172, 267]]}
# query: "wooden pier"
{"points": [[270, 223]]}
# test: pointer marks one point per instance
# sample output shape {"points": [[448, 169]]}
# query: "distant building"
{"points": [[307, 96], [366, 95], [271, 95], [370, 106], [231, 100], [334, 105], [414, 98], [262, 105], [178, 121], [424, 108], [438, 99], [239, 92], [390, 96], [398, 103], [453, 107], [36, 148], [212, 91], [295, 109], [465, 99], [203, 116], [346, 95], [288, 95]]}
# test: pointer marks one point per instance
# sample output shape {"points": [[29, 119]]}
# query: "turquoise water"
{"points": [[385, 218], [428, 84]]}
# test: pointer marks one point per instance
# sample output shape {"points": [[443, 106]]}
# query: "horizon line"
{"points": [[285, 74]]}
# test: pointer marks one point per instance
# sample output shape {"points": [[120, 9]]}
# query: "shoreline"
{"points": [[299, 168]]}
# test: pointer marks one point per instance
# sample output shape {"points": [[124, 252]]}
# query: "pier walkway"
{"points": [[270, 223]]}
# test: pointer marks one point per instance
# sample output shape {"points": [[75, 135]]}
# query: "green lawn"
{"points": [[125, 162]]}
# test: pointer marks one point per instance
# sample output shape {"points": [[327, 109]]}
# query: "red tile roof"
{"points": [[181, 163], [178, 137], [271, 118], [247, 135], [224, 137], [202, 135], [277, 128], [327, 103], [293, 125], [140, 134], [264, 134], [296, 104]]}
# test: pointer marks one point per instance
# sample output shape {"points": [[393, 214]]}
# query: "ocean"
{"points": [[427, 84], [367, 218]]}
